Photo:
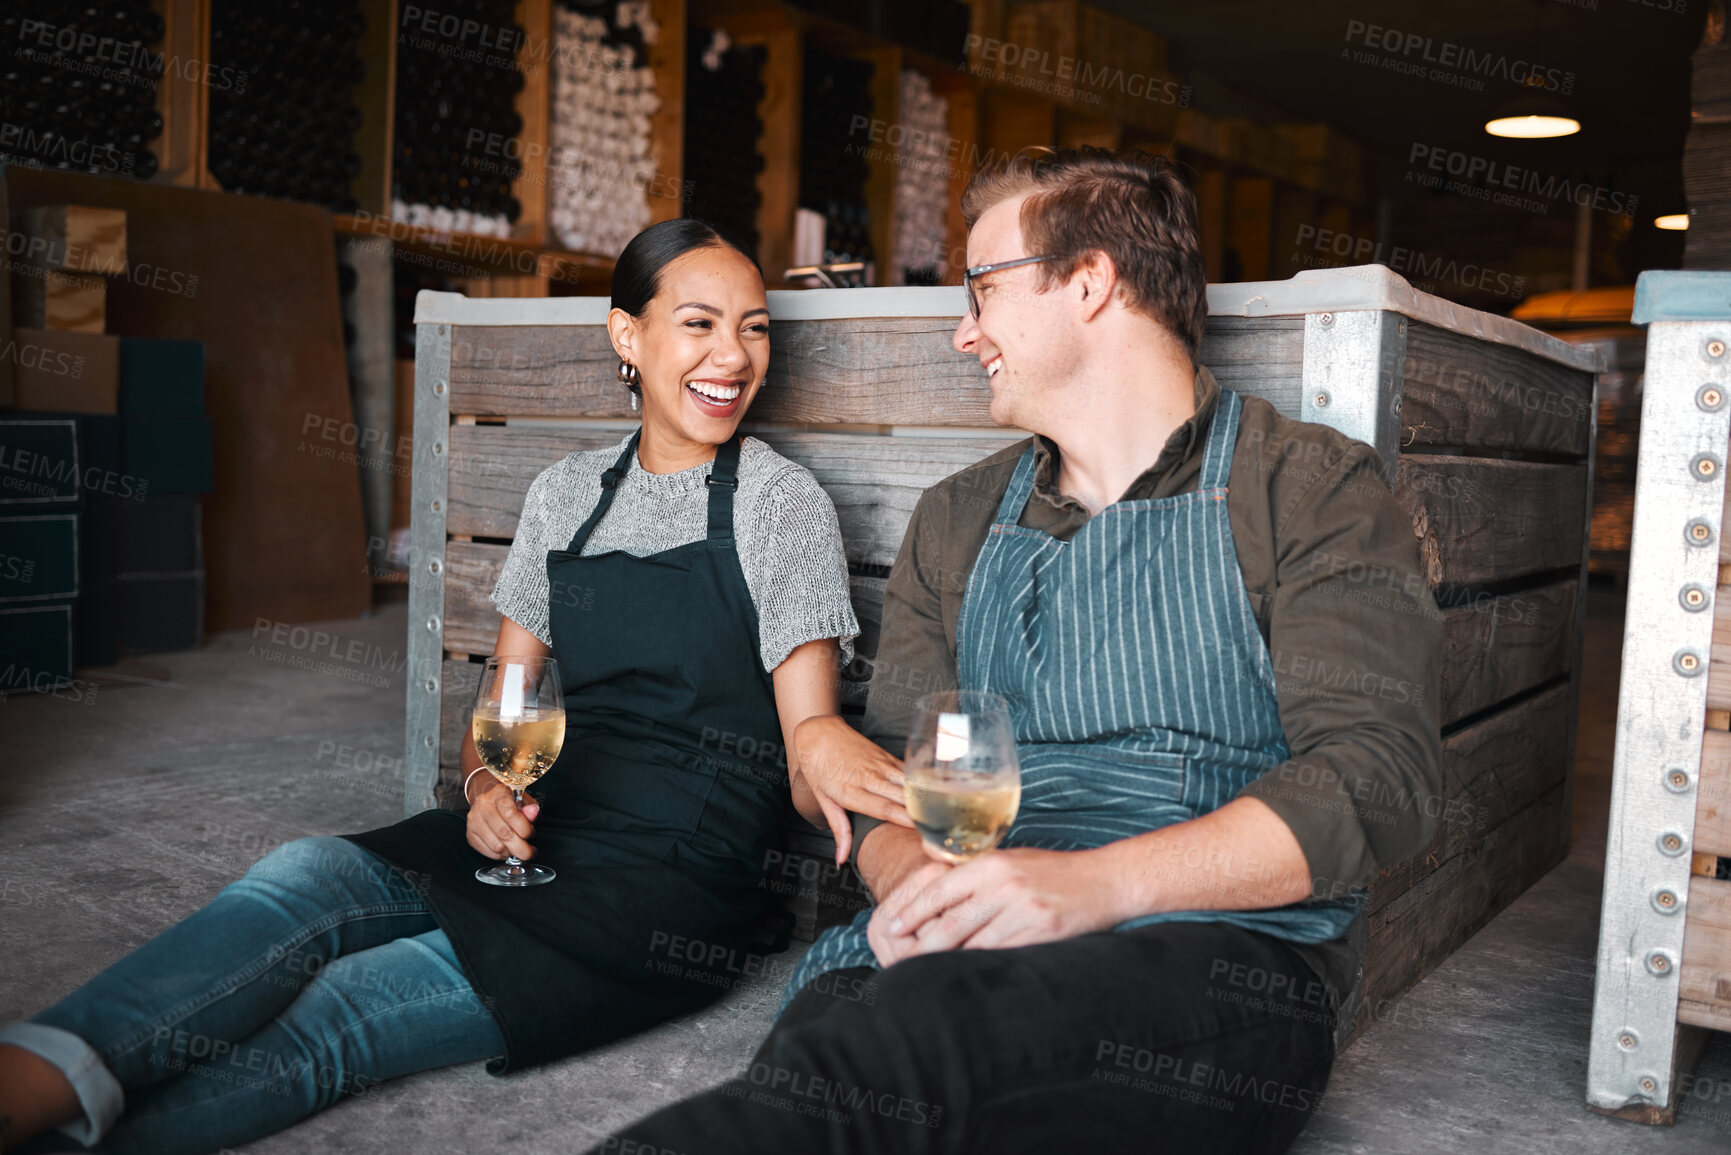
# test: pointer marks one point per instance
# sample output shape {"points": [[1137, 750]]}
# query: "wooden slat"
{"points": [[456, 699], [1483, 520], [471, 571], [873, 481], [1704, 984], [1713, 795], [492, 467], [1491, 771], [1719, 656], [1498, 647], [888, 371], [1457, 897], [1463, 392]]}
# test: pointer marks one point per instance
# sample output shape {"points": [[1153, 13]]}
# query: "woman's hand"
{"points": [[844, 770], [497, 826]]}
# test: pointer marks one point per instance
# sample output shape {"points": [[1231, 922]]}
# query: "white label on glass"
{"points": [[511, 693], [952, 737]]}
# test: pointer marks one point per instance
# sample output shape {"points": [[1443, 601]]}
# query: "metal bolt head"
{"points": [[1710, 398], [1694, 597], [1328, 319], [1688, 663], [1659, 963], [1665, 901], [1715, 347], [1700, 531], [441, 330], [1322, 401], [1676, 780], [1628, 1041], [1649, 1085], [1671, 842]]}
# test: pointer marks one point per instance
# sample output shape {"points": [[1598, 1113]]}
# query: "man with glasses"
{"points": [[1225, 730]]}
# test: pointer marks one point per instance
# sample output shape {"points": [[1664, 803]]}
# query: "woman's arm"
{"points": [[831, 768], [496, 826]]}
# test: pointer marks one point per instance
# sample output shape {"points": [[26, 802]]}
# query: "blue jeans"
{"points": [[319, 974]]}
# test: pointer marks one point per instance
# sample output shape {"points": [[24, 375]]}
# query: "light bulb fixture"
{"points": [[1676, 222], [1533, 117], [1532, 127]]}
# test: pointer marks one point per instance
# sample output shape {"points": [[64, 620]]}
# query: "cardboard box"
{"points": [[161, 377], [161, 612], [35, 647], [64, 302], [157, 535], [95, 625], [168, 454], [73, 372], [39, 557], [77, 238], [39, 463]]}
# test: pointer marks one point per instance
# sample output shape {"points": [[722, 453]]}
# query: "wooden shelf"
{"points": [[503, 255]]}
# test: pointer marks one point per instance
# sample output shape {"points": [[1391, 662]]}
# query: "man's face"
{"points": [[1022, 338]]}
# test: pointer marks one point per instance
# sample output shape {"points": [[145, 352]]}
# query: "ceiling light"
{"points": [[1533, 117], [1533, 127], [1677, 222]]}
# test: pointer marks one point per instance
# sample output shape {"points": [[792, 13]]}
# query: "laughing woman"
{"points": [[692, 587]]}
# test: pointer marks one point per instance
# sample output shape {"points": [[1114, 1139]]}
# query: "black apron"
{"points": [[660, 814]]}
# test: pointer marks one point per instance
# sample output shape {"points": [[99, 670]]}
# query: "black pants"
{"points": [[1180, 1037]]}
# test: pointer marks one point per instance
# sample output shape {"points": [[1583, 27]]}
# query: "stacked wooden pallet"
{"points": [[1665, 934]]}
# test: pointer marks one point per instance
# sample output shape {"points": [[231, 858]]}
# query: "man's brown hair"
{"points": [[1129, 205]]}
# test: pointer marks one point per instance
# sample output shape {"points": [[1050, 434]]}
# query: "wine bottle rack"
{"points": [[724, 85], [601, 172], [282, 107], [832, 174], [79, 87], [922, 197], [456, 152]]}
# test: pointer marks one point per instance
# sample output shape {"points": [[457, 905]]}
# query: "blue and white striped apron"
{"points": [[1141, 691]]}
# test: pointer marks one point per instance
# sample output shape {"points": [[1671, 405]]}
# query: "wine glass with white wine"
{"points": [[961, 777], [519, 727]]}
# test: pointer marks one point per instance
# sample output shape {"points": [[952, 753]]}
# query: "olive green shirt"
{"points": [[1331, 569]]}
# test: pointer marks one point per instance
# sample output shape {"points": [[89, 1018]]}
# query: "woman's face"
{"points": [[701, 347]]}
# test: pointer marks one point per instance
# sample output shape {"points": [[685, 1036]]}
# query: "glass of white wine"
{"points": [[961, 777], [519, 727]]}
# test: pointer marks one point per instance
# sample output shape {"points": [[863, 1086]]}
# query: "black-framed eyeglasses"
{"points": [[969, 276]]}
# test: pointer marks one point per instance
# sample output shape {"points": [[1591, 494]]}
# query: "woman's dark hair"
{"points": [[637, 272]]}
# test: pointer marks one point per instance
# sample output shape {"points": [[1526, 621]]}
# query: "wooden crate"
{"points": [[1666, 922], [505, 388]]}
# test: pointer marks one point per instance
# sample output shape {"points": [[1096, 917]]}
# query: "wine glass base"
{"points": [[523, 874]]}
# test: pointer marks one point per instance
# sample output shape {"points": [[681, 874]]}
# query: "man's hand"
{"points": [[844, 770], [1005, 898]]}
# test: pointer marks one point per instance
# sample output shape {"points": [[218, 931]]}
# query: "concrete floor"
{"points": [[152, 792]]}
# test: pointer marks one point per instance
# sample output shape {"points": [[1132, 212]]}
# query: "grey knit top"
{"points": [[784, 526]]}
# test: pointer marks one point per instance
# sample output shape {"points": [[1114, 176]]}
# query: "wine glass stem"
{"points": [[512, 861]]}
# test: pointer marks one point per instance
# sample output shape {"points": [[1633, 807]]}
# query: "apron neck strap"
{"points": [[609, 484], [723, 482], [1222, 440]]}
